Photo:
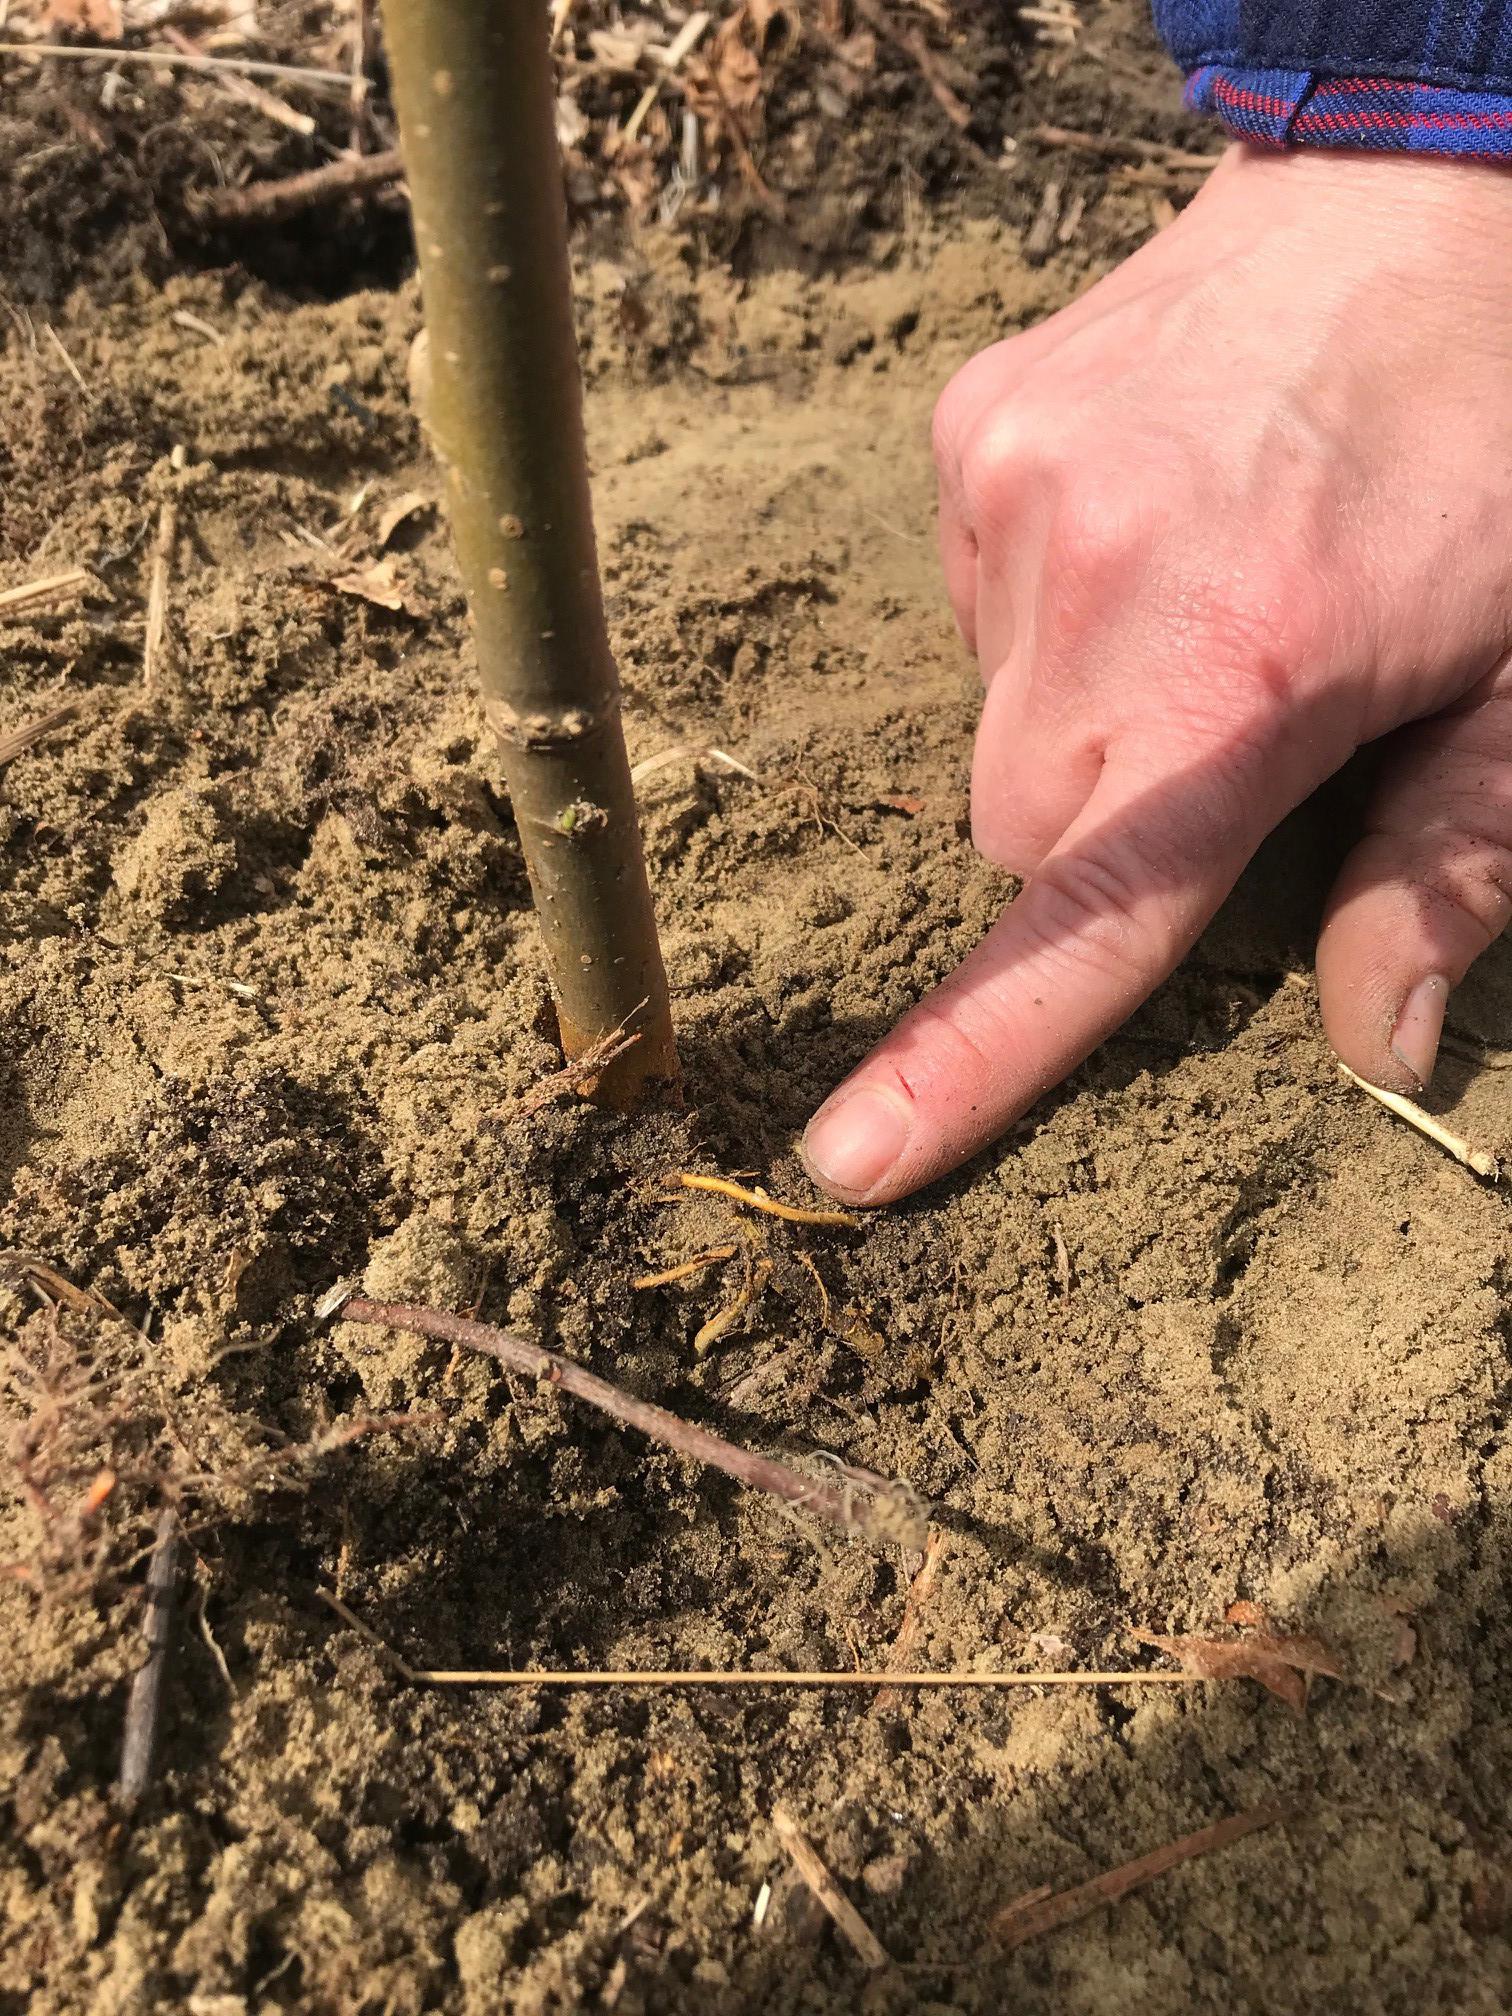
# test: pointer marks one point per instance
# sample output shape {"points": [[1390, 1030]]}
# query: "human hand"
{"points": [[1241, 509]]}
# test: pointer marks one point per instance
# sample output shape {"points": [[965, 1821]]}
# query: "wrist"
{"points": [[1423, 221]]}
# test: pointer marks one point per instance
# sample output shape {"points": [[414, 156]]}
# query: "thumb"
{"points": [[1099, 925], [1423, 894]]}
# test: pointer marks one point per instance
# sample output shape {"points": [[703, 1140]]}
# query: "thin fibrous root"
{"points": [[757, 1200], [698, 1676], [688, 1267], [1481, 1160]]}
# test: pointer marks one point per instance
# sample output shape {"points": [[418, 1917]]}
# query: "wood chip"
{"points": [[381, 584], [1040, 237], [852, 1927], [394, 515]]}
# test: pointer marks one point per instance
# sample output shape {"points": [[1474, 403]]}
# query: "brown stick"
{"points": [[268, 202], [919, 1592], [913, 45], [810, 1866], [1034, 1914], [144, 1708], [886, 1518], [362, 56]]}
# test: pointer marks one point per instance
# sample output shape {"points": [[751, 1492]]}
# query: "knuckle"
{"points": [[1007, 450], [1236, 655], [1098, 534], [991, 374], [963, 1056], [1463, 867], [1093, 912]]}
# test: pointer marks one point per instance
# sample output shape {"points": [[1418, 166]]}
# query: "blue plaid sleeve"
{"points": [[1420, 79]]}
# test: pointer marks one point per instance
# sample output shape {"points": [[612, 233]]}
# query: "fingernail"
{"points": [[855, 1138], [1415, 1039]]}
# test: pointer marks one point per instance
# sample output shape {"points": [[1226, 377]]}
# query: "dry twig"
{"points": [[1123, 146], [49, 588], [270, 202], [698, 1676], [1481, 1160], [21, 739], [166, 59], [811, 1867], [157, 587], [890, 1515], [1030, 1916], [144, 1707], [759, 1201], [682, 45], [919, 1592], [913, 45], [234, 85]]}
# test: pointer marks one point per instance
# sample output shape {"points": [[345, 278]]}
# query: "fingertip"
{"points": [[856, 1141], [1399, 1053]]}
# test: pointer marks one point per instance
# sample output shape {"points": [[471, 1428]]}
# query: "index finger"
{"points": [[1108, 914]]}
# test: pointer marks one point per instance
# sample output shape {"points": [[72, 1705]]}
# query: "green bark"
{"points": [[473, 86]]}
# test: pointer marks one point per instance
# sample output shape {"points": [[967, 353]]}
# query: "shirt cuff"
{"points": [[1298, 108]]}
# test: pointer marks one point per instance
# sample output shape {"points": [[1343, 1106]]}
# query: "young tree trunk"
{"points": [[473, 86]]}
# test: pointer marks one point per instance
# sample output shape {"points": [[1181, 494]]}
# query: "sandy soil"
{"points": [[1208, 1328]]}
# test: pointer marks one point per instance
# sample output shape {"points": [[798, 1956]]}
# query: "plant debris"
{"points": [[1283, 1664]]}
